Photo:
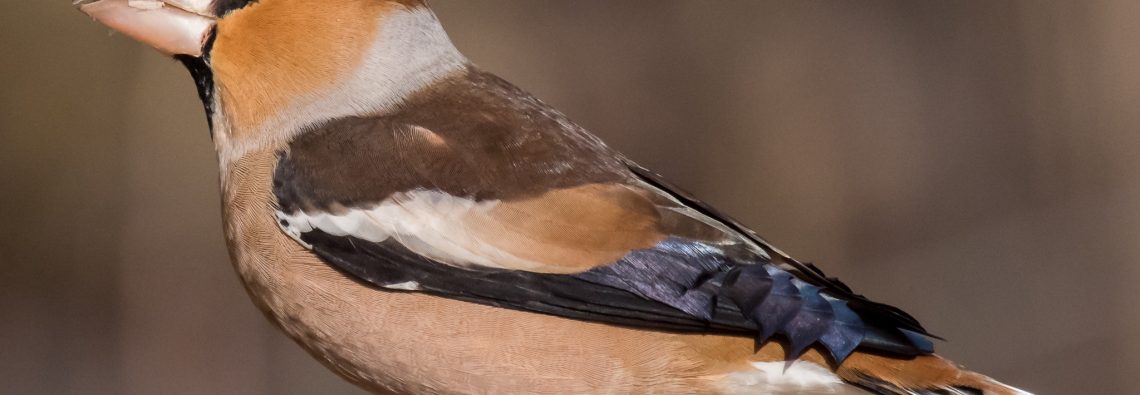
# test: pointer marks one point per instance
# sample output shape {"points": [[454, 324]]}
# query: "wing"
{"points": [[478, 192]]}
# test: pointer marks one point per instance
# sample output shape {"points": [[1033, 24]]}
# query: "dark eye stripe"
{"points": [[223, 7]]}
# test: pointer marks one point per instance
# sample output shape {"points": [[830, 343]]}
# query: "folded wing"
{"points": [[476, 191], [621, 253]]}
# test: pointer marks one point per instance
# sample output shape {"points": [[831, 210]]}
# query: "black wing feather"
{"points": [[890, 315], [678, 286]]}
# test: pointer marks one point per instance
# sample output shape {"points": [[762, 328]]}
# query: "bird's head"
{"points": [[268, 68]]}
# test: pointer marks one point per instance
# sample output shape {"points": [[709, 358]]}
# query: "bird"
{"points": [[420, 225]]}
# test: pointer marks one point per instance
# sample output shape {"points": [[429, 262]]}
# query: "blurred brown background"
{"points": [[973, 162]]}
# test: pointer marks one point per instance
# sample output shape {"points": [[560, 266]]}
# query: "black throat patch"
{"points": [[199, 67]]}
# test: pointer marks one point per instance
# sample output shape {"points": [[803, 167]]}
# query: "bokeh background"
{"points": [[973, 162]]}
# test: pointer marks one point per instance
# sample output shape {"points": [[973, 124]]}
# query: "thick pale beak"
{"points": [[174, 27]]}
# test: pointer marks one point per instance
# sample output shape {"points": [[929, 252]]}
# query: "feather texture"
{"points": [[476, 191]]}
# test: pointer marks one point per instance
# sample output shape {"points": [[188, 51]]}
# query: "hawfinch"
{"points": [[420, 225]]}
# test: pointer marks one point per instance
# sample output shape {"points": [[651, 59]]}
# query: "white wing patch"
{"points": [[430, 223], [405, 286], [782, 378]]}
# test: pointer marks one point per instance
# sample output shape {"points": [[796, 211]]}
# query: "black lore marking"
{"points": [[223, 7]]}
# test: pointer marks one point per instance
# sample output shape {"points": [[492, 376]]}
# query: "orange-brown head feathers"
{"points": [[280, 66], [272, 52], [267, 69]]}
